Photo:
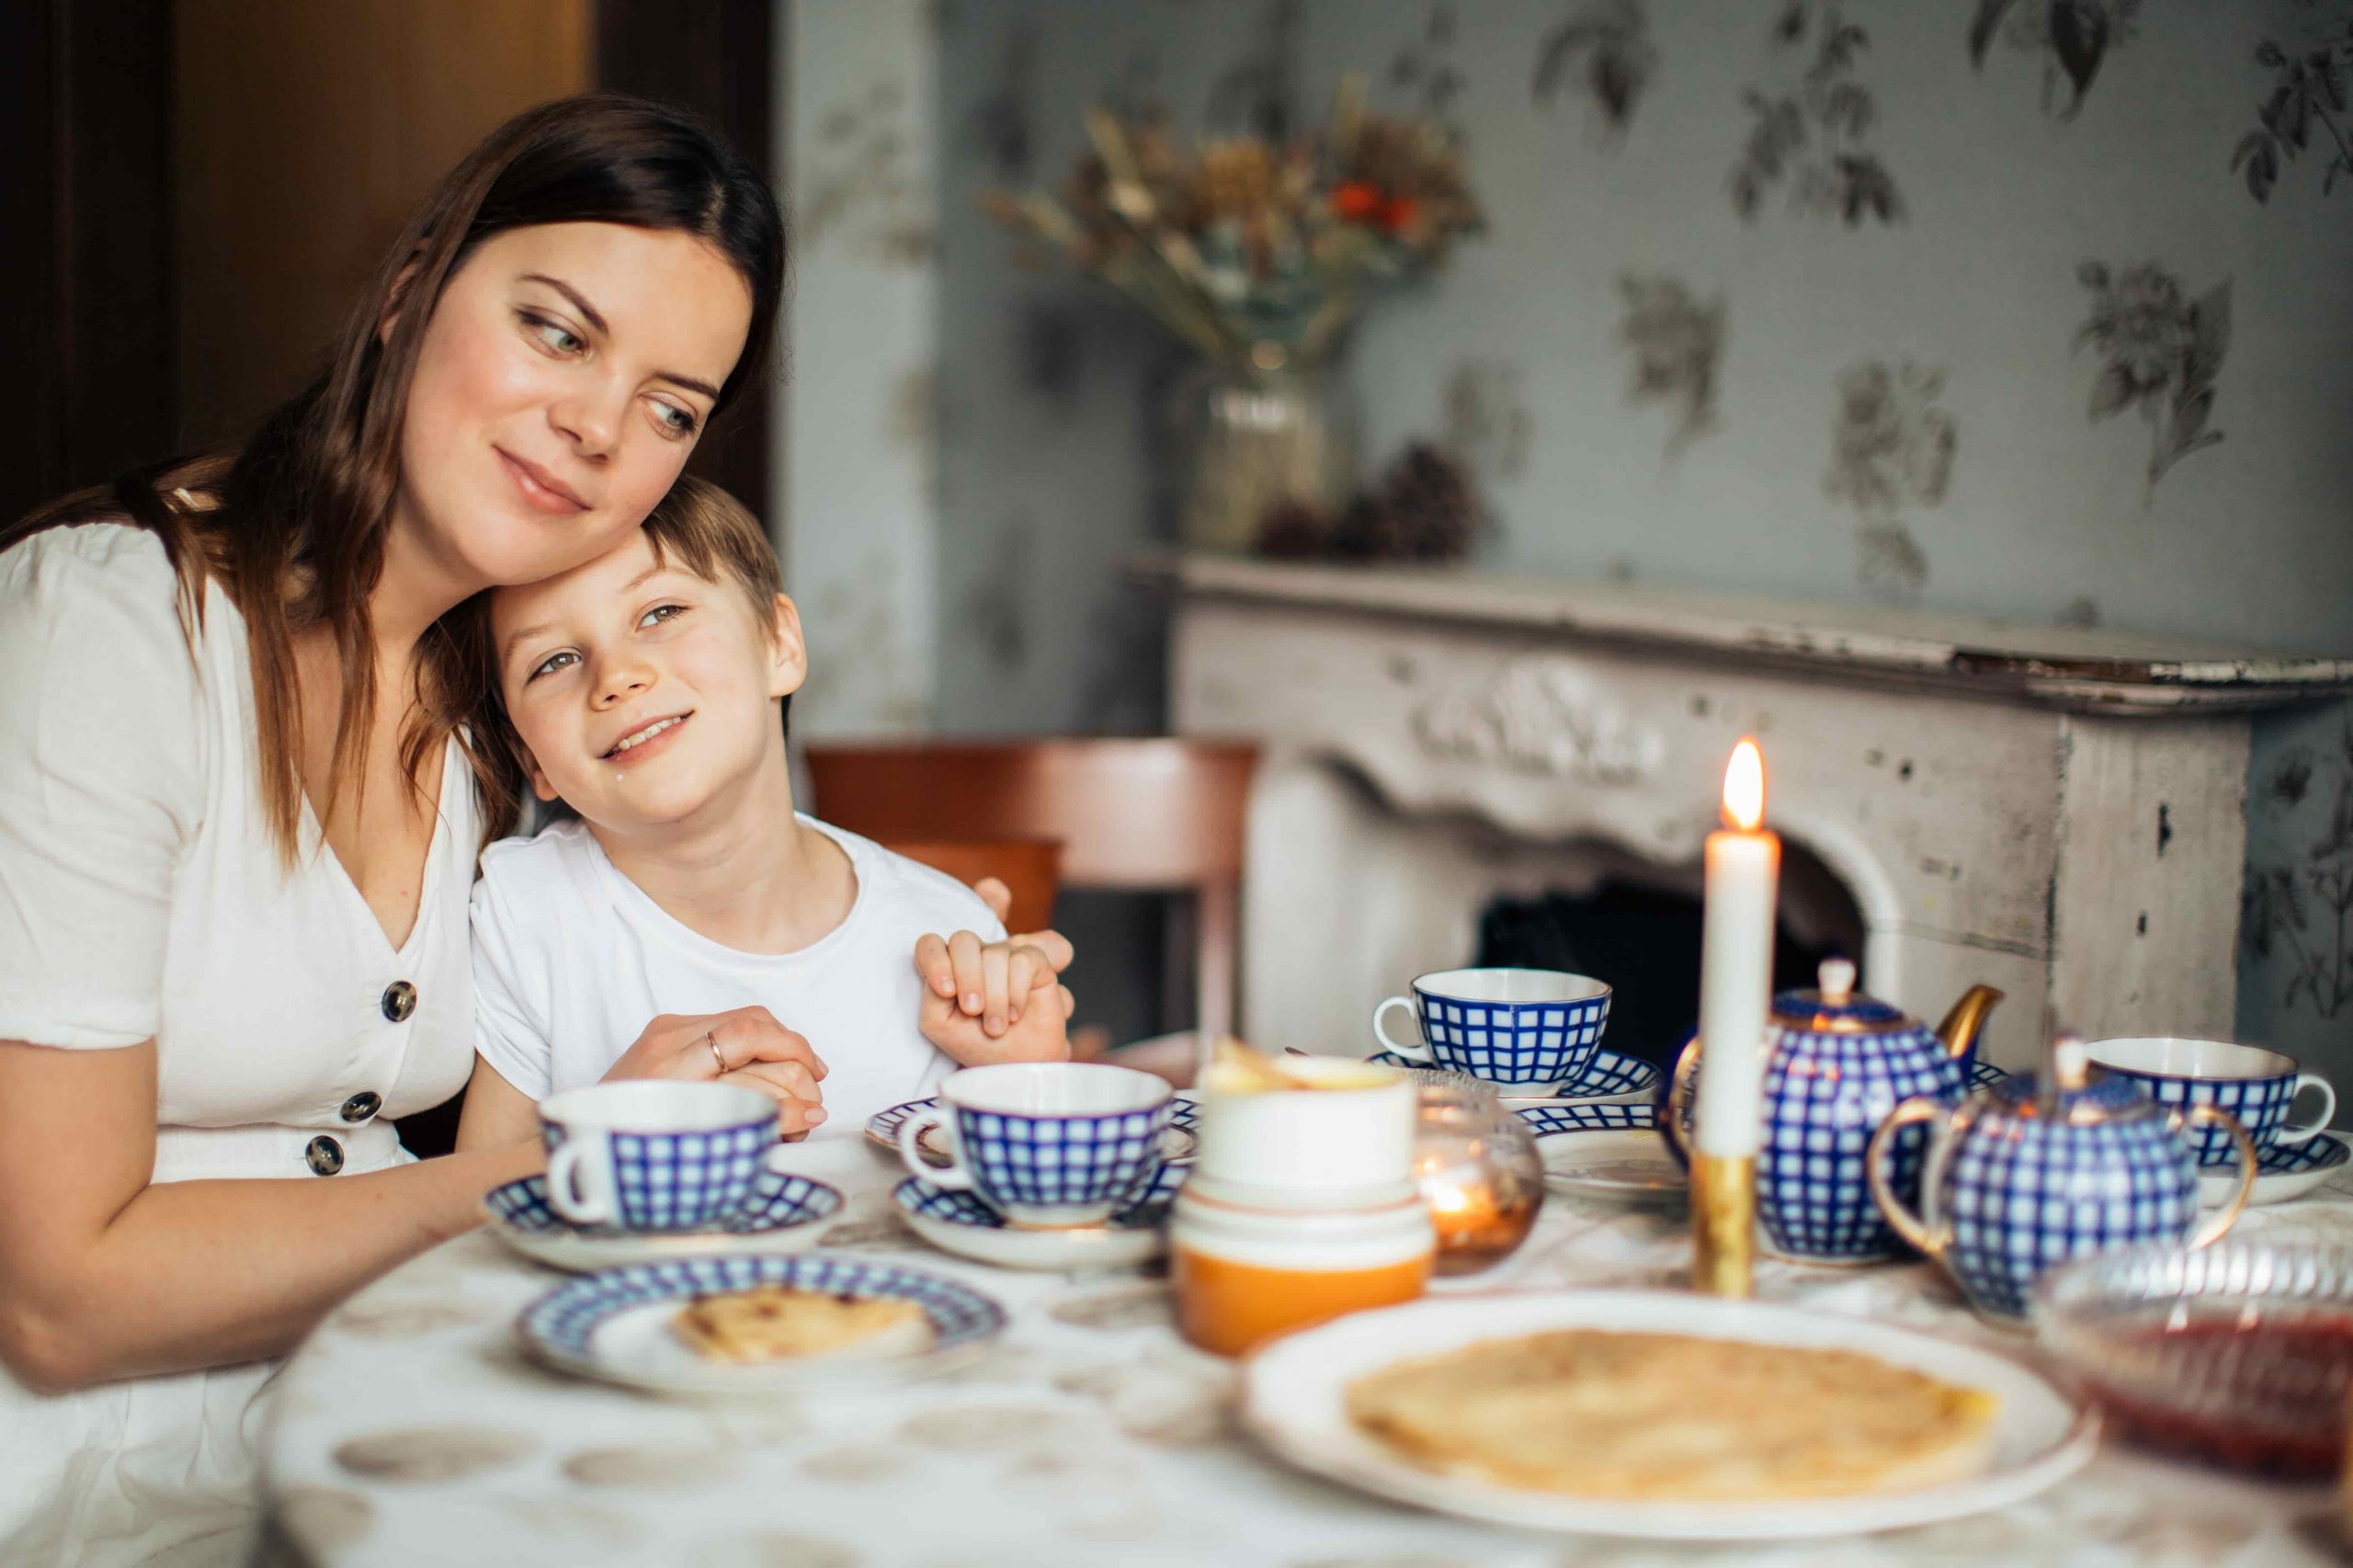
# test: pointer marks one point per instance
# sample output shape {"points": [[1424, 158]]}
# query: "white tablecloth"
{"points": [[411, 1429]]}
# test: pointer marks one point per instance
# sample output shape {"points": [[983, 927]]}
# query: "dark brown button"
{"points": [[324, 1156], [362, 1105], [400, 1001]]}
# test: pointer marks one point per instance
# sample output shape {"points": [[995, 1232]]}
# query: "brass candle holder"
{"points": [[1724, 1224]]}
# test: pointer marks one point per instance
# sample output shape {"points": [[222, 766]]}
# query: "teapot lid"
{"points": [[1836, 1007], [2065, 1091]]}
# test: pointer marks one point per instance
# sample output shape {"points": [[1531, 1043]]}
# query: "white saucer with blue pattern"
{"points": [[787, 1214], [1176, 1144], [1610, 1078], [1604, 1151], [617, 1325], [2289, 1170], [960, 1223]]}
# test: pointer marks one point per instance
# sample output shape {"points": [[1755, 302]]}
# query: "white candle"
{"points": [[1736, 964]]}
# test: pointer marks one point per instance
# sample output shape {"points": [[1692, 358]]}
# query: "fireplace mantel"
{"points": [[2056, 812], [2084, 668]]}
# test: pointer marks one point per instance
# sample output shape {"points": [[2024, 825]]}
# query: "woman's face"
{"points": [[566, 373]]}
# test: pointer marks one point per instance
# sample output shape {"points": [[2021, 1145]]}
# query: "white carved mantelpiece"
{"points": [[2056, 812]]}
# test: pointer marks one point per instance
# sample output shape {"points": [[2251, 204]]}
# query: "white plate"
{"points": [[615, 1325], [1176, 1144], [1602, 1151], [2291, 1170], [1294, 1401], [787, 1214], [961, 1223]]}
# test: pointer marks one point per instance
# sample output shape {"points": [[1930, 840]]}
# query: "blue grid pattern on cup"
{"points": [[678, 1181], [1984, 1075], [566, 1318], [1512, 1042], [954, 1207], [1549, 1120], [1826, 1094], [779, 1201], [2041, 1194], [884, 1125], [1066, 1158], [2321, 1152], [2259, 1104]]}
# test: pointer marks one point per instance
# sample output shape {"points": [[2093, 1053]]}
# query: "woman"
{"points": [[237, 832]]}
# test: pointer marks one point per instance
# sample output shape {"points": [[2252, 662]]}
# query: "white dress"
{"points": [[142, 895]]}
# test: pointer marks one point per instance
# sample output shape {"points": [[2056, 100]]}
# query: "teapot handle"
{"points": [[1678, 1099], [1907, 1224], [2223, 1218]]}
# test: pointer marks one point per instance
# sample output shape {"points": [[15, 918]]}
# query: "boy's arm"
{"points": [[496, 1111]]}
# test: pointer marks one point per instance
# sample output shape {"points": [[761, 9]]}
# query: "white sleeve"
{"points": [[511, 1030], [102, 756]]}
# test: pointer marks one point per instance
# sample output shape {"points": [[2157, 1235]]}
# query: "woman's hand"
{"points": [[745, 1046]]}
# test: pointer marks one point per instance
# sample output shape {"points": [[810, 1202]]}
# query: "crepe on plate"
{"points": [[1673, 1417], [769, 1322]]}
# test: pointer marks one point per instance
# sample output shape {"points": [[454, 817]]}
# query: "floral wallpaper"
{"points": [[2030, 308]]}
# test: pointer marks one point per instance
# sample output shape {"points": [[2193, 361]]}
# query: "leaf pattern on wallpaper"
{"points": [[1603, 49], [1814, 136], [2298, 909], [1677, 342], [2073, 36], [2307, 102], [1891, 447], [1425, 73], [1001, 128], [2163, 351]]}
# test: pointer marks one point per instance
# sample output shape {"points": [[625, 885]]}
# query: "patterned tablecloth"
{"points": [[411, 1429]]}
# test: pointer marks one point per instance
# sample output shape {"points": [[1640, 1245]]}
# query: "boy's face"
{"points": [[641, 692]]}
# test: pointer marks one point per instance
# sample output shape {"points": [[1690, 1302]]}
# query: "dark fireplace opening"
{"points": [[1644, 941]]}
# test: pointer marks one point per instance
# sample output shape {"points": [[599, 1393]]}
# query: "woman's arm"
{"points": [[104, 1274], [496, 1114]]}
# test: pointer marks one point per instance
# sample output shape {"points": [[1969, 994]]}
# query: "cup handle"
{"points": [[1417, 1052], [951, 1176], [2223, 1218], [1678, 1097], [1928, 1238], [580, 1181], [2319, 1124]]}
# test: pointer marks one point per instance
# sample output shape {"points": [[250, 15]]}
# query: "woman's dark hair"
{"points": [[293, 526]]}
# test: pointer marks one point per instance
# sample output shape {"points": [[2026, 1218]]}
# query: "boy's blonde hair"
{"points": [[699, 527]]}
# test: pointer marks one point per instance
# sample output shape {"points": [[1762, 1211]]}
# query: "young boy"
{"points": [[644, 691]]}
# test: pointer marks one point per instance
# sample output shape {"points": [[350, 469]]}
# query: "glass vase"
{"points": [[1255, 442]]}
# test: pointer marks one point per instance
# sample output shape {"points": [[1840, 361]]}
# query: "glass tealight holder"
{"points": [[1478, 1169]]}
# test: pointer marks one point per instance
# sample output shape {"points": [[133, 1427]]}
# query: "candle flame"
{"points": [[1744, 787]]}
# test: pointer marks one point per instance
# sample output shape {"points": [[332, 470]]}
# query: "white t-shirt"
{"points": [[572, 960]]}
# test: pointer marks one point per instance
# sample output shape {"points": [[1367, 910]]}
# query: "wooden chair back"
{"points": [[1030, 868], [1157, 814]]}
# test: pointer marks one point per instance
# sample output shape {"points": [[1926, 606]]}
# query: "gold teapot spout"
{"points": [[1959, 1029]]}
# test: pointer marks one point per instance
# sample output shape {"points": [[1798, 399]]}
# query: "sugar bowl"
{"points": [[2044, 1167]]}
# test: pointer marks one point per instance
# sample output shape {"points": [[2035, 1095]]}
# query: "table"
{"points": [[411, 1429]]}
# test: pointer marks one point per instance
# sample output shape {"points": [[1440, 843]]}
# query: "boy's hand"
{"points": [[999, 898], [1022, 1007]]}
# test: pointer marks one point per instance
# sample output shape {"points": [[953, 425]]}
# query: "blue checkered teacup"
{"points": [[650, 1155], [2257, 1087], [1047, 1144], [1507, 1026]]}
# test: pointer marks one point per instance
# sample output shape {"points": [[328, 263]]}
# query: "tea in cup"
{"points": [[2257, 1087], [1506, 1026], [1047, 1144], [653, 1155]]}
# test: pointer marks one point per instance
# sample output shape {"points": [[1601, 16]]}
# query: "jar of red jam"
{"points": [[1244, 1275]]}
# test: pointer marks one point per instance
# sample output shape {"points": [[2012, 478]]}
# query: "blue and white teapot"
{"points": [[2038, 1169], [1837, 1064]]}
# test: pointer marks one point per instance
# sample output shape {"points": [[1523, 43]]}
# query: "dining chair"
{"points": [[1029, 868], [1158, 814]]}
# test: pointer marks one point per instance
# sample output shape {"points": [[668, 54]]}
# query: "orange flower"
{"points": [[1356, 201], [1399, 213]]}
